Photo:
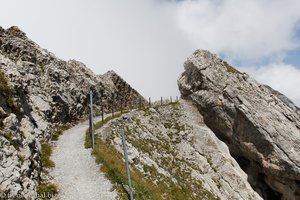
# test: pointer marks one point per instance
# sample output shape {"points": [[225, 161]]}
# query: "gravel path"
{"points": [[76, 172]]}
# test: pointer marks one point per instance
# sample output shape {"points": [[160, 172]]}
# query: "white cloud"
{"points": [[146, 42], [249, 32], [282, 77], [138, 39], [242, 30]]}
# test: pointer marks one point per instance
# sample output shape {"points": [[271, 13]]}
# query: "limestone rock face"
{"points": [[39, 92], [175, 143], [260, 126]]}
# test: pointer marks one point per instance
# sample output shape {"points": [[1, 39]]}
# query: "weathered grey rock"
{"points": [[260, 127], [10, 122], [41, 93], [2, 112], [176, 142]]}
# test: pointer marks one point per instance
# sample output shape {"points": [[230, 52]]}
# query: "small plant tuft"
{"points": [[59, 131], [231, 69], [46, 190], [114, 168], [45, 156], [4, 88], [150, 184], [88, 140], [5, 91]]}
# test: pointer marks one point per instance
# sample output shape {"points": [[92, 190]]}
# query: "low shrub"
{"points": [[45, 156], [46, 191]]}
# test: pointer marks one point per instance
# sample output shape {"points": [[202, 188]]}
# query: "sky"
{"points": [[147, 41]]}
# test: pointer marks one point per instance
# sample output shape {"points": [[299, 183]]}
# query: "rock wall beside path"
{"points": [[38, 93]]}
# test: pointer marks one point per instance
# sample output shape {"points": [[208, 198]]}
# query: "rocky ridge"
{"points": [[38, 93], [229, 137], [173, 148], [260, 126]]}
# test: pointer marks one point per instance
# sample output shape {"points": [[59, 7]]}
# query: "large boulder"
{"points": [[260, 126]]}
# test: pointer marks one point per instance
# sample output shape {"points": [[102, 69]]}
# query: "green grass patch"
{"points": [[168, 125], [4, 88], [174, 103], [5, 91], [175, 125], [154, 186], [171, 103], [231, 69], [179, 127], [107, 119], [114, 168], [141, 145], [56, 134], [88, 139], [46, 190], [45, 156], [151, 185], [59, 131]]}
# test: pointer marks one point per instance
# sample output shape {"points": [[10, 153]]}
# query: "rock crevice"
{"points": [[259, 125]]}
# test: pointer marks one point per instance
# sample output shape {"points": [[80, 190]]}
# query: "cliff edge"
{"points": [[260, 127]]}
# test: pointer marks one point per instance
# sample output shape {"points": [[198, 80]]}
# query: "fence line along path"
{"points": [[76, 173]]}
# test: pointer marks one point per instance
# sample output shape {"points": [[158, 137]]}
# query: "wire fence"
{"points": [[113, 106], [122, 107]]}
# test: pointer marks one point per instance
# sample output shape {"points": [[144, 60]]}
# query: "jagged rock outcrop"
{"points": [[260, 126], [39, 92], [171, 145], [132, 97]]}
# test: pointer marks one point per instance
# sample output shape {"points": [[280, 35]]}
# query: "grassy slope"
{"points": [[153, 185]]}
